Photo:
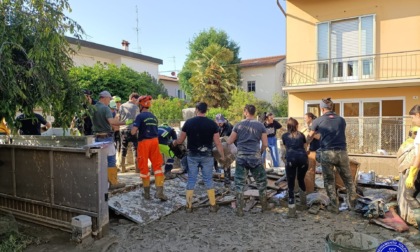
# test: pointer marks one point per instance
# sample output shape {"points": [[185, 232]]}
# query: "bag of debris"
{"points": [[229, 151]]}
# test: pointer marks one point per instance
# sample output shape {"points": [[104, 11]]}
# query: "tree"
{"points": [[34, 59], [213, 76], [168, 110], [197, 47], [120, 81]]}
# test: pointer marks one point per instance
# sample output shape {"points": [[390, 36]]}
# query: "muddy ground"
{"points": [[223, 231]]}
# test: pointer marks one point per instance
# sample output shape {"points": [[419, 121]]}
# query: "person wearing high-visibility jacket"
{"points": [[166, 136], [412, 182], [146, 128]]}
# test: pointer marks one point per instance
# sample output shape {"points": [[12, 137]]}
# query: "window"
{"points": [[345, 49], [251, 86]]}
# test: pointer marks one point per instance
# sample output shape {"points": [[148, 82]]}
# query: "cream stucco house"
{"points": [[91, 53], [171, 84], [263, 76]]}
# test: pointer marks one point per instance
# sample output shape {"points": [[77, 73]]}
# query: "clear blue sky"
{"points": [[166, 27]]}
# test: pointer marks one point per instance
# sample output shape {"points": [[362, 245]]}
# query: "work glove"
{"points": [[412, 175], [129, 121]]}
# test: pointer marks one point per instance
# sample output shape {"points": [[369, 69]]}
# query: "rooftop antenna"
{"points": [[137, 29]]}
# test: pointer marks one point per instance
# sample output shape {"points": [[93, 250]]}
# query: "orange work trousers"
{"points": [[149, 149]]}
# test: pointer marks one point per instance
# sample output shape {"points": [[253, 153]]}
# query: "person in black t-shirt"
{"points": [[31, 125], [296, 163], [201, 132], [272, 126]]}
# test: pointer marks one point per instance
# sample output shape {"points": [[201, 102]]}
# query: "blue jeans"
{"points": [[206, 164], [274, 151], [112, 159]]}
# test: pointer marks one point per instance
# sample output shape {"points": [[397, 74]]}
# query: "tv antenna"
{"points": [[137, 29]]}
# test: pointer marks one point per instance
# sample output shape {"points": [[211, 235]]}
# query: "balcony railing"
{"points": [[370, 135], [375, 67]]}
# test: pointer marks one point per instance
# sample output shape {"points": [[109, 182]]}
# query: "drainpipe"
{"points": [[281, 8]]}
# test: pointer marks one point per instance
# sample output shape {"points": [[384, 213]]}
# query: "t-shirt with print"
{"points": [[272, 128], [100, 118], [249, 133], [30, 125], [147, 124], [332, 129], [200, 131]]}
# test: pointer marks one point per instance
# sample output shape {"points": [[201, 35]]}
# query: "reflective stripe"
{"points": [[158, 171], [145, 176]]}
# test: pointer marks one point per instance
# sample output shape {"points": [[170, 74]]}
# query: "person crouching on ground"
{"points": [[296, 163], [201, 132], [166, 136], [146, 125], [248, 134]]}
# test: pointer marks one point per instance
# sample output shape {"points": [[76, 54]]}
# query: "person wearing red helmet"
{"points": [[146, 128]]}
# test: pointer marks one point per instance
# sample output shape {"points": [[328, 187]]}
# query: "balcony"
{"points": [[354, 72]]}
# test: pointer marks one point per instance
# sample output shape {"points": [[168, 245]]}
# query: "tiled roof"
{"points": [[267, 61], [168, 78]]}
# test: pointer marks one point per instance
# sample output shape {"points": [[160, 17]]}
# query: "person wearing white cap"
{"points": [[103, 121]]}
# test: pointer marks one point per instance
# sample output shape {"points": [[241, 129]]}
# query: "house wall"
{"points": [[268, 80], [171, 87], [397, 24], [297, 100], [141, 66]]}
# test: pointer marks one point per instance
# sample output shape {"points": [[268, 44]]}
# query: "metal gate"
{"points": [[49, 180]]}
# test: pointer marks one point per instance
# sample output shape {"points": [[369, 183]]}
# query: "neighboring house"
{"points": [[172, 86], [263, 76], [365, 55], [91, 53]]}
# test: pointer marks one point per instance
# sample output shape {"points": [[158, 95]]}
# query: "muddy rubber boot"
{"points": [[264, 203], [122, 165], [227, 177], [333, 207], [303, 201], [240, 204], [212, 200], [113, 179], [291, 213], [159, 194], [188, 207], [146, 193]]}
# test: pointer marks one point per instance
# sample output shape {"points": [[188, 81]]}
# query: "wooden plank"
{"points": [[250, 204]]}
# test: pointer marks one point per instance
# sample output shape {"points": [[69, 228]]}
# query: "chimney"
{"points": [[125, 45]]}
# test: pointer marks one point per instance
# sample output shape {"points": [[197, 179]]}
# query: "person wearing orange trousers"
{"points": [[146, 128]]}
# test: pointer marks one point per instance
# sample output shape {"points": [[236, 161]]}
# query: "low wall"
{"points": [[382, 164]]}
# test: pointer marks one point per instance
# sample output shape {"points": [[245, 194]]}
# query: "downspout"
{"points": [[281, 8]]}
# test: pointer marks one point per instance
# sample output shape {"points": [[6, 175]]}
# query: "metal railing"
{"points": [[370, 135], [374, 67]]}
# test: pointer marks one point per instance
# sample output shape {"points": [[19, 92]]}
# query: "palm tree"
{"points": [[213, 76]]}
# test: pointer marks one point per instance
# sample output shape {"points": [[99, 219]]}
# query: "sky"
{"points": [[166, 27]]}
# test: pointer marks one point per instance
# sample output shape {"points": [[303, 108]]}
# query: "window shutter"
{"points": [[345, 38]]}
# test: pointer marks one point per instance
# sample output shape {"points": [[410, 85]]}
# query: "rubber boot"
{"points": [[212, 199], [303, 202], [227, 177], [291, 211], [136, 166], [113, 179], [159, 188], [146, 187], [188, 207], [333, 207], [240, 204], [415, 239], [264, 203], [122, 164]]}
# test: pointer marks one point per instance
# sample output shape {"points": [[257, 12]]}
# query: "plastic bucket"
{"points": [[347, 241]]}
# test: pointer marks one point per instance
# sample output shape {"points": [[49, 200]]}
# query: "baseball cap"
{"points": [[220, 118], [86, 92], [105, 94]]}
